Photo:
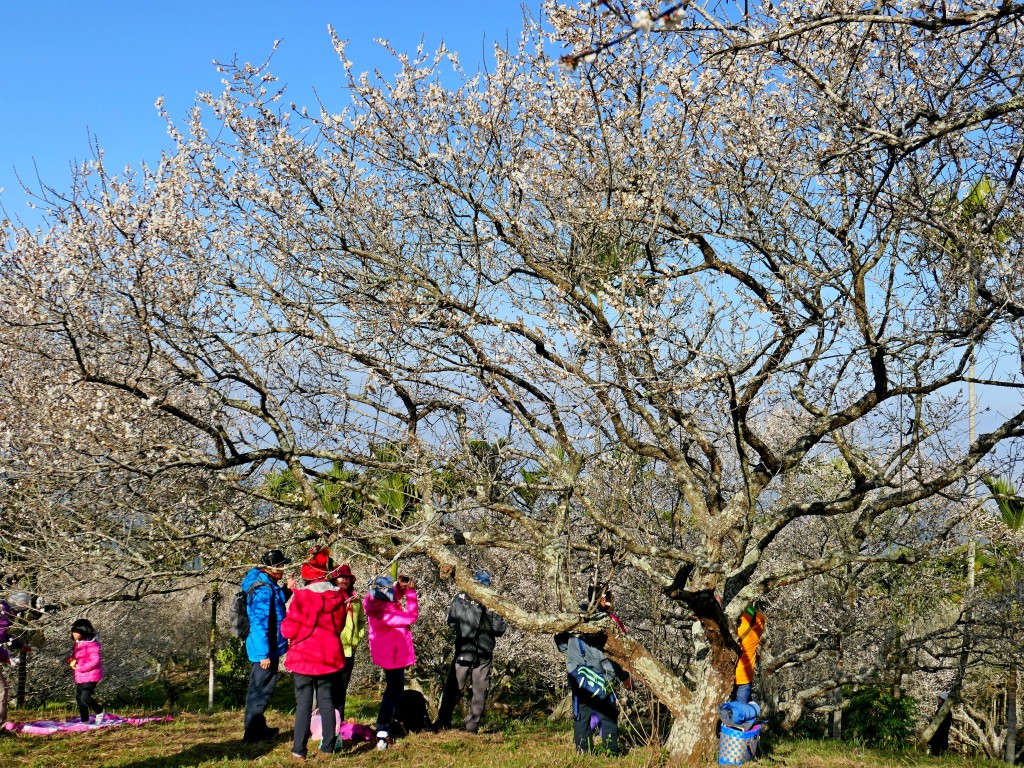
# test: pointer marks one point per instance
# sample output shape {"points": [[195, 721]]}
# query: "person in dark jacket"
{"points": [[476, 630], [938, 745], [8, 642], [593, 711], [265, 644]]}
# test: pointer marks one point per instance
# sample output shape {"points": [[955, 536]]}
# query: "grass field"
{"points": [[209, 741]]}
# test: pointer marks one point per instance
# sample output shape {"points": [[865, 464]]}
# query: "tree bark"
{"points": [[21, 691], [692, 737], [1011, 716]]}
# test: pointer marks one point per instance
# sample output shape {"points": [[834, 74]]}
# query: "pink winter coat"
{"points": [[390, 636], [89, 658], [313, 627]]}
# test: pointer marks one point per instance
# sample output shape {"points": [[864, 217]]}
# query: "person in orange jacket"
{"points": [[752, 624]]}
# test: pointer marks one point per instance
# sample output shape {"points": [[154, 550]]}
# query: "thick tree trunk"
{"points": [[20, 696], [692, 738], [1010, 753]]}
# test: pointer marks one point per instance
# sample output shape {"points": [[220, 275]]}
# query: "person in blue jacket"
{"points": [[265, 605]]}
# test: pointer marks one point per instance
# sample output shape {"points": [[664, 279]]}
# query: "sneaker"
{"points": [[101, 718], [382, 740]]}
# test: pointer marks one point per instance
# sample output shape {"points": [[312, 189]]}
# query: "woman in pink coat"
{"points": [[391, 646], [313, 627], [86, 660]]}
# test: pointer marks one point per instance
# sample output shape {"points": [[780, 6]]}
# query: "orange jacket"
{"points": [[750, 631]]}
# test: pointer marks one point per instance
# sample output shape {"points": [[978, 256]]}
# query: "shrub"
{"points": [[231, 673], [877, 718]]}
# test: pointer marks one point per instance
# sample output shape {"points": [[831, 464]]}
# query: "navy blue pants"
{"points": [[261, 687]]}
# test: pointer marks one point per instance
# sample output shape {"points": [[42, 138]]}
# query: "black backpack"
{"points": [[411, 712], [238, 613]]}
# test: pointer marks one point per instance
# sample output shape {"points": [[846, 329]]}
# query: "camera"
{"points": [[403, 579]]}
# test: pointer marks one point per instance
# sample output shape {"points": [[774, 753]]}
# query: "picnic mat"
{"points": [[348, 731], [46, 727]]}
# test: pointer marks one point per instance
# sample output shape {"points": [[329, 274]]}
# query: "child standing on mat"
{"points": [[87, 662]]}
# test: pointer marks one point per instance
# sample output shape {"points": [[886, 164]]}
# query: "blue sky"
{"points": [[75, 69]]}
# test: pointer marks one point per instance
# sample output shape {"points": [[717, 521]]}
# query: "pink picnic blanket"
{"points": [[46, 727]]}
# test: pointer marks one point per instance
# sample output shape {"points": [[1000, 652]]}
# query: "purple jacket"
{"points": [[90, 661], [313, 624], [6, 641], [390, 637]]}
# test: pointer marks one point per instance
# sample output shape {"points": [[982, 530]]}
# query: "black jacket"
{"points": [[475, 630]]}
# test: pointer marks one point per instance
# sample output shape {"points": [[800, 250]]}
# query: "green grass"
{"points": [[194, 739], [831, 754], [208, 741]]}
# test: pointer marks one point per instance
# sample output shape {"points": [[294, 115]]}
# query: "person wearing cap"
{"points": [[594, 712], [752, 624], [313, 627], [391, 645], [476, 631], [265, 645], [351, 634]]}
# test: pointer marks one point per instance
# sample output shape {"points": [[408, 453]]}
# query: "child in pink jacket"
{"points": [[391, 646], [86, 660]]}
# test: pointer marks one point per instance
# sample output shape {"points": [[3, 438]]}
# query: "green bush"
{"points": [[877, 718], [231, 673]]}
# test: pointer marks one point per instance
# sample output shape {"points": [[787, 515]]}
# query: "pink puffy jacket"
{"points": [[390, 637], [313, 626], [88, 654]]}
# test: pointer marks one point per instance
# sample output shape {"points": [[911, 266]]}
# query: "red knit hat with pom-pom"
{"points": [[318, 565]]}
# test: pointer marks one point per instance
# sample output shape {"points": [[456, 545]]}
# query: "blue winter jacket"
{"points": [[265, 640]]}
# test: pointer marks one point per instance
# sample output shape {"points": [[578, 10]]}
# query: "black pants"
{"points": [[590, 714], [304, 686], [339, 685], [261, 686], [458, 676], [394, 684], [86, 701]]}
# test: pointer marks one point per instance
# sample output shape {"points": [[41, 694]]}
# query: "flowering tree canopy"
{"points": [[655, 314]]}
